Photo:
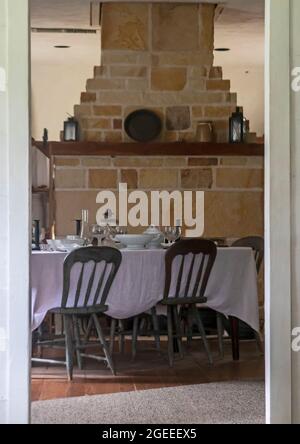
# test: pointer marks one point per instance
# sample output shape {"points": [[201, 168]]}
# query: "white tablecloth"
{"points": [[139, 284]]}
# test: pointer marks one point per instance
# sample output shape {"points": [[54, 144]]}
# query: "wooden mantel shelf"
{"points": [[149, 149]]}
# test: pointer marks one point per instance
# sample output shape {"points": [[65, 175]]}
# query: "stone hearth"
{"points": [[160, 57]]}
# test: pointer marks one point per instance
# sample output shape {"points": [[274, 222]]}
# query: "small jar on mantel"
{"points": [[204, 132]]}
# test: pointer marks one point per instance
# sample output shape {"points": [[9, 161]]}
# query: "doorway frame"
{"points": [[17, 242], [278, 292], [277, 214]]}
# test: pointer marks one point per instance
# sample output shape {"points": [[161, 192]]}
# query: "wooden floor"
{"points": [[149, 370]]}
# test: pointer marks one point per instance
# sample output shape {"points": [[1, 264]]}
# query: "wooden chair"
{"points": [[88, 303], [197, 256], [257, 245], [140, 326]]}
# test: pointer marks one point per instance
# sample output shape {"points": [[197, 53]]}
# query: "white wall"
{"points": [[248, 83], [56, 89], [14, 211]]}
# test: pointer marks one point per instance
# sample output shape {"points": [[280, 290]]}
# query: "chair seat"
{"points": [[183, 301], [80, 310]]}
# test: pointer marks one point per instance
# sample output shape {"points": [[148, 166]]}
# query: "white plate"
{"points": [[134, 241], [165, 246]]}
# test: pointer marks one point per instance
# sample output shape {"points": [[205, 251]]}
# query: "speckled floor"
{"points": [[214, 403]]}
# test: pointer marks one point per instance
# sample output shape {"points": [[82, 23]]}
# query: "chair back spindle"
{"points": [[196, 257], [98, 281]]}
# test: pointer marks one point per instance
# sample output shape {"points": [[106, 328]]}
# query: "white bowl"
{"points": [[78, 241], [135, 241], [55, 244], [72, 237], [71, 245], [65, 244], [158, 237]]}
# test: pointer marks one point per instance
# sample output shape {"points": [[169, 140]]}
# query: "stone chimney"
{"points": [[156, 56]]}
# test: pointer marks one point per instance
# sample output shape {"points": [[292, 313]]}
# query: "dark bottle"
{"points": [[36, 234], [78, 226], [45, 136]]}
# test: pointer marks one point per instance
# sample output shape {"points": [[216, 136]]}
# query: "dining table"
{"points": [[139, 285]]}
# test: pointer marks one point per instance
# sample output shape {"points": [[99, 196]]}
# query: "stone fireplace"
{"points": [[157, 56]]}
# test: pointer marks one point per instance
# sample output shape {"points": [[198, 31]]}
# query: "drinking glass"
{"points": [[85, 229], [97, 232], [172, 233], [119, 230]]}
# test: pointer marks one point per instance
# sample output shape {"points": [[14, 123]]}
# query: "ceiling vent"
{"points": [[64, 30]]}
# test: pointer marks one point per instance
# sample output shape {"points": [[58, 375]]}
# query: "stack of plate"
{"points": [[67, 244], [135, 241]]}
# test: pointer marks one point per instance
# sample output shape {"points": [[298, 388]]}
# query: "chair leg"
{"points": [[112, 335], [189, 326], [84, 324], [155, 328], [69, 346], [170, 337], [143, 324], [77, 341], [220, 329], [103, 343], [134, 336], [202, 332], [88, 329], [40, 338], [259, 343], [178, 331], [121, 337]]}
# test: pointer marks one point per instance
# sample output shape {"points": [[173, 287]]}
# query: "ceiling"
{"points": [[239, 26], [61, 13]]}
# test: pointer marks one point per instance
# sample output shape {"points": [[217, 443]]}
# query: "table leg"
{"points": [[234, 330], [175, 345], [175, 342]]}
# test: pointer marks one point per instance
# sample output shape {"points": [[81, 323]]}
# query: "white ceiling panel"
{"points": [[240, 27]]}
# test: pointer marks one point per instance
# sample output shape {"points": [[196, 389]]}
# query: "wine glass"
{"points": [[120, 230], [172, 233], [97, 232]]}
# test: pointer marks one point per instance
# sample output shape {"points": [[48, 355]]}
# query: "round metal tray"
{"points": [[143, 125]]}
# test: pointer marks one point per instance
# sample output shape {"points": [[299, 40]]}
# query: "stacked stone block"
{"points": [[158, 57]]}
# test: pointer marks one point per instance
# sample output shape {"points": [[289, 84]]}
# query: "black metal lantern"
{"points": [[236, 127], [71, 130]]}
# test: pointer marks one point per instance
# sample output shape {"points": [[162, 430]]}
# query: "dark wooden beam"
{"points": [[41, 146], [150, 149]]}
